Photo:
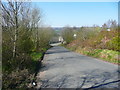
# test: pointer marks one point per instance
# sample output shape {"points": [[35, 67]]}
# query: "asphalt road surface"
{"points": [[65, 69]]}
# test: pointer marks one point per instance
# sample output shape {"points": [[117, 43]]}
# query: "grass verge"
{"points": [[104, 54]]}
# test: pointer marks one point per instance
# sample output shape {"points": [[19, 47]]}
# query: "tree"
{"points": [[104, 26], [67, 34], [45, 35], [87, 32], [110, 24], [36, 20], [10, 17], [21, 37]]}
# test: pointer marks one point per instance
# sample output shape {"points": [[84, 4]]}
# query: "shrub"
{"points": [[67, 34], [17, 79], [114, 44], [25, 43]]}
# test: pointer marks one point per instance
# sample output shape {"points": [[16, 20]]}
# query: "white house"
{"points": [[61, 39], [108, 29]]}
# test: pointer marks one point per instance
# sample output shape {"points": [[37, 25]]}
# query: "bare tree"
{"points": [[36, 20], [111, 24], [10, 12]]}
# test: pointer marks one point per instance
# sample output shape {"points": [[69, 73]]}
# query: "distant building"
{"points": [[108, 29], [61, 39]]}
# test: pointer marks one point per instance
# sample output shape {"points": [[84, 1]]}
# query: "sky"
{"points": [[60, 14]]}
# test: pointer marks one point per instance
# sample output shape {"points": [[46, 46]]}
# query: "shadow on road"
{"points": [[52, 52], [98, 79], [65, 69], [89, 80]]}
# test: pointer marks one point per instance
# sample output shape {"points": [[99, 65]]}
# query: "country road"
{"points": [[65, 69]]}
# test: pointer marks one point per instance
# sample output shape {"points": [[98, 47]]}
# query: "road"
{"points": [[65, 69]]}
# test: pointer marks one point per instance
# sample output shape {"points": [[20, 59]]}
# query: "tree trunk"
{"points": [[16, 31]]}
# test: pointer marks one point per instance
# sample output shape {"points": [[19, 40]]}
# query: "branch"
{"points": [[4, 9]]}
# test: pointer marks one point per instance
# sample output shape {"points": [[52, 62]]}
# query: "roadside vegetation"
{"points": [[100, 42], [23, 43]]}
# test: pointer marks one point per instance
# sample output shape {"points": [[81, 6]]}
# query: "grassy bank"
{"points": [[104, 54], [23, 76]]}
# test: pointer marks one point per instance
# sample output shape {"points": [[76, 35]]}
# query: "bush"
{"points": [[98, 43], [114, 44], [67, 34], [25, 43], [17, 79]]}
